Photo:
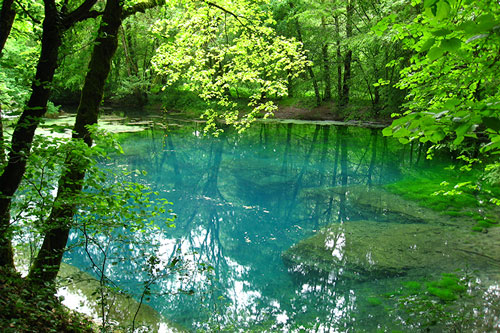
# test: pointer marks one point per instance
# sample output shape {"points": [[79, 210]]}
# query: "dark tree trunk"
{"points": [[27, 124], [326, 74], [339, 60], [48, 261], [326, 66], [348, 57], [309, 68], [7, 16], [53, 26]]}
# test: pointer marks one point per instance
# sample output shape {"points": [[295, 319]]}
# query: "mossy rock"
{"points": [[368, 249]]}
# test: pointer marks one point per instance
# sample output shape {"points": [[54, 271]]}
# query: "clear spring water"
{"points": [[241, 200]]}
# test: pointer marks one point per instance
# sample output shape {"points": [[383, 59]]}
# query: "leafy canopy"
{"points": [[213, 48]]}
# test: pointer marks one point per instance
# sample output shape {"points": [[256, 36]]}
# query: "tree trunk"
{"points": [[25, 128], [7, 16], [348, 57], [326, 66], [309, 68], [48, 261], [339, 60]]}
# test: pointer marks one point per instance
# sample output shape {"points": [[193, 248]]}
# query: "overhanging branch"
{"points": [[141, 7], [81, 13]]}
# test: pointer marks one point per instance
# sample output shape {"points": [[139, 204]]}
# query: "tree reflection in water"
{"points": [[241, 200]]}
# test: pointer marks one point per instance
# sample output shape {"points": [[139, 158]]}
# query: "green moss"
{"points": [[413, 286], [443, 294], [434, 189], [477, 228], [483, 224], [374, 301], [448, 288]]}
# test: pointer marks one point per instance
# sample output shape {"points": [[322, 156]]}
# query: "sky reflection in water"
{"points": [[241, 201]]}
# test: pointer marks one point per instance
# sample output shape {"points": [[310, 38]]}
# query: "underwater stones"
{"points": [[362, 203], [389, 207], [371, 249]]}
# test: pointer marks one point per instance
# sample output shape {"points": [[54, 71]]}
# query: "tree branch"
{"points": [[141, 7], [236, 16], [27, 12], [80, 14]]}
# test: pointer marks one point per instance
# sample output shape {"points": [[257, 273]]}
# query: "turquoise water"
{"points": [[241, 201]]}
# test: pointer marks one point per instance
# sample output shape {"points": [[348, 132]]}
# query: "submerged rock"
{"points": [[368, 249], [375, 204]]}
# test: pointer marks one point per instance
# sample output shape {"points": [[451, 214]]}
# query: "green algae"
{"points": [[450, 197], [374, 301]]}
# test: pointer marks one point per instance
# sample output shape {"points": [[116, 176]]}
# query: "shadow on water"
{"points": [[289, 218]]}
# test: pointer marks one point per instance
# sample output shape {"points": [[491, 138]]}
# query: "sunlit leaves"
{"points": [[213, 50]]}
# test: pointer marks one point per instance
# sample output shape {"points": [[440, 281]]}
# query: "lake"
{"points": [[285, 227]]}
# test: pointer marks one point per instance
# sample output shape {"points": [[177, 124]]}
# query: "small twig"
{"points": [[236, 16], [27, 13]]}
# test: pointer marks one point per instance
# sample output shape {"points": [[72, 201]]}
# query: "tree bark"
{"points": [[348, 57], [309, 68], [339, 60], [326, 66], [7, 16], [27, 124], [54, 24], [47, 263]]}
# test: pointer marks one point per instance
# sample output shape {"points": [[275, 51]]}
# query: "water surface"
{"points": [[242, 201]]}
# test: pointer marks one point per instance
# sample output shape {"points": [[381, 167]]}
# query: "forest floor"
{"points": [[329, 112]]}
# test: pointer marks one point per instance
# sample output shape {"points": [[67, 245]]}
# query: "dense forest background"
{"points": [[431, 65]]}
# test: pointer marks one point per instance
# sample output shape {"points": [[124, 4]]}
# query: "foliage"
{"points": [[113, 211], [214, 50], [452, 84], [25, 308]]}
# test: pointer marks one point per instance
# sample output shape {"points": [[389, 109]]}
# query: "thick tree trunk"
{"points": [[53, 26], [27, 124], [7, 15], [48, 261]]}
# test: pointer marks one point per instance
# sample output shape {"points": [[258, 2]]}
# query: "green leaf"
{"points": [[462, 129], [387, 131], [441, 32], [443, 9], [451, 44], [427, 44], [435, 53], [492, 123], [458, 140]]}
